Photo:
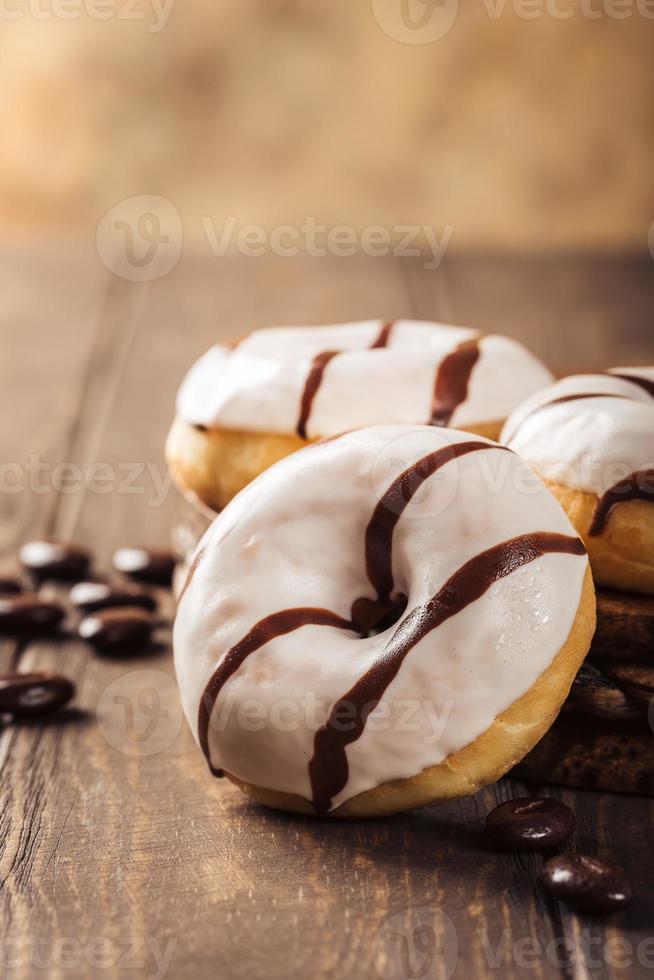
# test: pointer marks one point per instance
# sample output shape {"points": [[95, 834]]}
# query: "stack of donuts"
{"points": [[390, 608], [589, 437]]}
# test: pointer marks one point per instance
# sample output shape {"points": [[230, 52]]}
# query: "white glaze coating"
{"points": [[295, 537], [258, 386], [587, 444]]}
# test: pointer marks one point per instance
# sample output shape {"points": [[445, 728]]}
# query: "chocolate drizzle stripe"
{"points": [[579, 396], [311, 385], [636, 486], [379, 533], [384, 336], [277, 624], [317, 370], [452, 380], [328, 768], [643, 383]]}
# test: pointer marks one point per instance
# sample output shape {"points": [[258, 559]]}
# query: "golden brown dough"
{"points": [[215, 464], [622, 556]]}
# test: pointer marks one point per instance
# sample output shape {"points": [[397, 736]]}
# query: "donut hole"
{"points": [[372, 617]]}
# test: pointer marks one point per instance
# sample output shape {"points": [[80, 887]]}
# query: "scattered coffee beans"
{"points": [[531, 823], [10, 585], [89, 596], [30, 695], [27, 614], [146, 564], [587, 883], [117, 630], [52, 560]]}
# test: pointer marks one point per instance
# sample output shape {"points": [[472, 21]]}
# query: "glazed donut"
{"points": [[242, 408], [590, 438], [381, 620]]}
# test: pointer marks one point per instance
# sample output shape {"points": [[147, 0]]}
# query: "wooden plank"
{"points": [[577, 312], [113, 828], [52, 302]]}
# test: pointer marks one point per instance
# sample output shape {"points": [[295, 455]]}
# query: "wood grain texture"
{"points": [[119, 855]]}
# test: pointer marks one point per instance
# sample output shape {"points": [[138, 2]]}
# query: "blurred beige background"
{"points": [[517, 131]]}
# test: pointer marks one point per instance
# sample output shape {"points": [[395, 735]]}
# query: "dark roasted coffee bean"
{"points": [[146, 564], [531, 823], [29, 695], [10, 585], [587, 883], [117, 630], [51, 559], [89, 596], [28, 614]]}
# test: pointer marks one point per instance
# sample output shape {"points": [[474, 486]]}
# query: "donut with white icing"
{"points": [[242, 408], [381, 620], [590, 438]]}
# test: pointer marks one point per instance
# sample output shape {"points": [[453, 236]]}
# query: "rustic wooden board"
{"points": [[119, 855]]}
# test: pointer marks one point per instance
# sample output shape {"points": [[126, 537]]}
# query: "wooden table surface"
{"points": [[119, 855]]}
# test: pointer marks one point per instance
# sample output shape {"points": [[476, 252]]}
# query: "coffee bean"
{"points": [[30, 695], [10, 585], [146, 564], [587, 883], [89, 596], [28, 614], [51, 559], [531, 823], [117, 630]]}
